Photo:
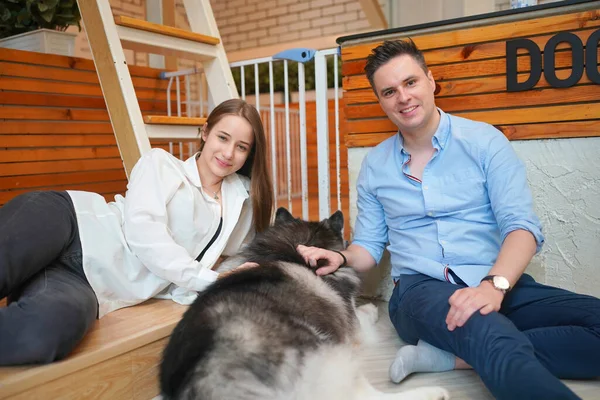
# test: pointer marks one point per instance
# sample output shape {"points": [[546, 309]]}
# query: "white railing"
{"points": [[285, 122]]}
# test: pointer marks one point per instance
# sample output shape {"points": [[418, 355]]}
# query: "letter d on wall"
{"points": [[512, 85]]}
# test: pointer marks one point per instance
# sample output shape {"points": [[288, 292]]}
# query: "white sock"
{"points": [[420, 358]]}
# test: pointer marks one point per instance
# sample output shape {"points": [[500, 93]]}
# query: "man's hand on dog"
{"points": [[325, 261]]}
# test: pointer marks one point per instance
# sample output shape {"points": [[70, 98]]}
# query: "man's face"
{"points": [[406, 94]]}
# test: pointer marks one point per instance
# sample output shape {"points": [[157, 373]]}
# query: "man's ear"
{"points": [[431, 80]]}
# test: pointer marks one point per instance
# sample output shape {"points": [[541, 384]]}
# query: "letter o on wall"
{"points": [[550, 62], [591, 57]]}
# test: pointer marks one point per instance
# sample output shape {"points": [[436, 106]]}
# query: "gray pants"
{"points": [[51, 305]]}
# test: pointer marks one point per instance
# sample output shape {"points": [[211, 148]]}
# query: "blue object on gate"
{"points": [[298, 55]]}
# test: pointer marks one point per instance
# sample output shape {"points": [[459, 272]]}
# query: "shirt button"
{"points": [[430, 214], [425, 187], [442, 241]]}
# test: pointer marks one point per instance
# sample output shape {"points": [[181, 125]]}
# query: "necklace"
{"points": [[215, 194]]}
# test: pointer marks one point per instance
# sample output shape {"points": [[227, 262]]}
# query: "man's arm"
{"points": [[515, 254], [512, 205], [357, 257]]}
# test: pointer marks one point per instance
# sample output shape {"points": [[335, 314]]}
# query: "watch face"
{"points": [[501, 282]]}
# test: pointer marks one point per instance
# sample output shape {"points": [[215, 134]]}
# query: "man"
{"points": [[450, 198]]}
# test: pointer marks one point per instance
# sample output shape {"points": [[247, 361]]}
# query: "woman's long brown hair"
{"points": [[255, 167]]}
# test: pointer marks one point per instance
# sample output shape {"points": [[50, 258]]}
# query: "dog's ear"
{"points": [[283, 216], [336, 221]]}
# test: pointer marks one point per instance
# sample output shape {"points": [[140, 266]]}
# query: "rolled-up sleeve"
{"points": [[371, 231], [509, 192]]}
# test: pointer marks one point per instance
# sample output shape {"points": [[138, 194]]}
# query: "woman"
{"points": [[67, 258]]}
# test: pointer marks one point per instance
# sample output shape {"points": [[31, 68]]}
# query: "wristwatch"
{"points": [[500, 283]]}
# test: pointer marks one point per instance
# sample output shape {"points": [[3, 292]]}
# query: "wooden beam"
{"points": [[121, 101], [218, 74], [374, 14]]}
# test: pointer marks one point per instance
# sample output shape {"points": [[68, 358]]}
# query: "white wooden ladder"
{"points": [[108, 35]]}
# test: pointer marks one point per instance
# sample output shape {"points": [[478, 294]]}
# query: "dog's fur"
{"points": [[276, 331]]}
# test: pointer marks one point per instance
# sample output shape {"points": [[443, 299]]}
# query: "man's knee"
{"points": [[490, 341]]}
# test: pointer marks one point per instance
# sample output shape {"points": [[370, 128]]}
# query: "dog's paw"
{"points": [[369, 312]]}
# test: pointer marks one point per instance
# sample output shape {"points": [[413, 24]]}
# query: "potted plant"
{"points": [[39, 25]]}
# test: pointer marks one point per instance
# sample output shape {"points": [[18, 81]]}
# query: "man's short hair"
{"points": [[383, 53]]}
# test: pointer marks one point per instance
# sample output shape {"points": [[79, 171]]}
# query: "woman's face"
{"points": [[226, 147]]}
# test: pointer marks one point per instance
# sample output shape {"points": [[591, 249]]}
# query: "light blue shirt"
{"points": [[473, 193]]}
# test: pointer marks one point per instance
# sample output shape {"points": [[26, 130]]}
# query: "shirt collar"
{"points": [[440, 136], [231, 183]]}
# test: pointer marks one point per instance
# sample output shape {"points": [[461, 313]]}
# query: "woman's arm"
{"points": [[154, 181]]}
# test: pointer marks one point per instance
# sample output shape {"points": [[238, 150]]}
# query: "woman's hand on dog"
{"points": [[326, 261], [245, 265]]}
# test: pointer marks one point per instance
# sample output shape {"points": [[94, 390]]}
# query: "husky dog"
{"points": [[276, 331]]}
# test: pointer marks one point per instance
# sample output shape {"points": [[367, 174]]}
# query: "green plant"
{"points": [[19, 16]]}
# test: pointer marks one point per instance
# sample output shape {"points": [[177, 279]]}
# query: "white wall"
{"points": [[564, 176]]}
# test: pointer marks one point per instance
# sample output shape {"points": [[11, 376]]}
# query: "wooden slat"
{"points": [[70, 178], [44, 167], [469, 36], [539, 97], [165, 120], [74, 63], [58, 100], [134, 23], [54, 128], [482, 51], [72, 76], [488, 84], [367, 139], [28, 85], [558, 130], [525, 115], [60, 114], [58, 153], [12, 141], [571, 96]]}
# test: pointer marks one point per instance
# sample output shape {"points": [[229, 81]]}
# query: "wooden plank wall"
{"points": [[55, 132], [469, 66]]}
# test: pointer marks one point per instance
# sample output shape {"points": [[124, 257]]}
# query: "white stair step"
{"points": [[172, 132], [154, 38]]}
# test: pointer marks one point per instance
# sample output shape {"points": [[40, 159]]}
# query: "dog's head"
{"points": [[280, 241], [326, 234]]}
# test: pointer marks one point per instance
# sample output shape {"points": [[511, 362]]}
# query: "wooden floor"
{"points": [[460, 384]]}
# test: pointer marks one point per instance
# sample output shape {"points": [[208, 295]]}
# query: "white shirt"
{"points": [[145, 244]]}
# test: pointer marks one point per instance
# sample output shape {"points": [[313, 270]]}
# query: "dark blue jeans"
{"points": [[51, 305], [541, 334]]}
